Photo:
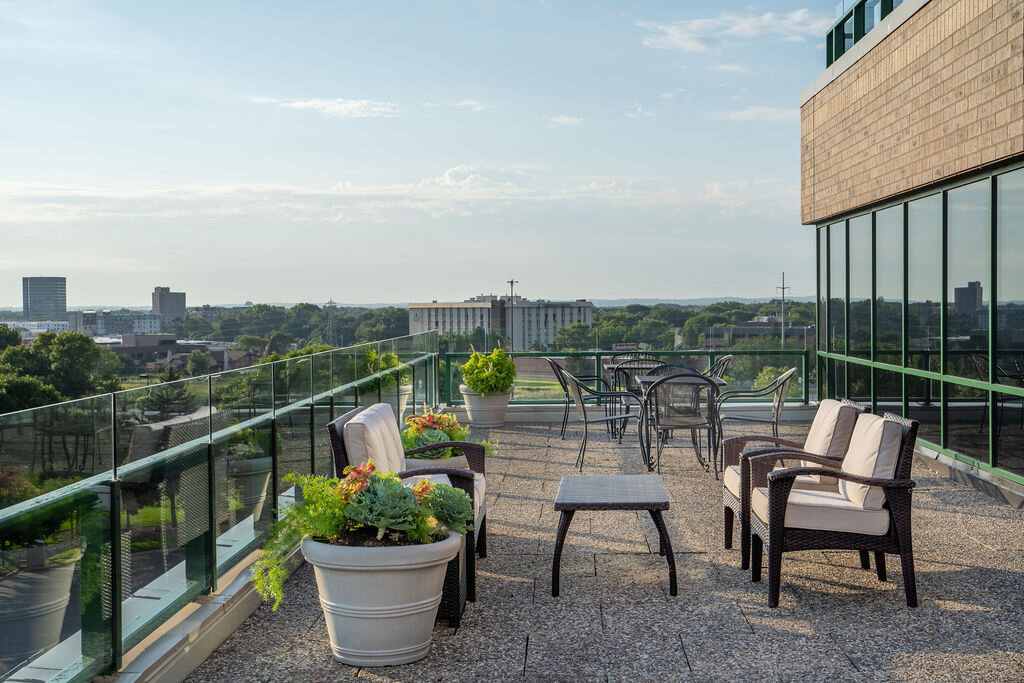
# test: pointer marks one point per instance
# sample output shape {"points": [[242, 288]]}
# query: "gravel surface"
{"points": [[615, 621]]}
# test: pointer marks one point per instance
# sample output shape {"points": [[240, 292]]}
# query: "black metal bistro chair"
{"points": [[683, 400], [777, 389], [580, 392], [719, 367], [557, 369]]}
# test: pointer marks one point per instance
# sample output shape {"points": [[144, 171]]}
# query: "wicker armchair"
{"points": [[374, 435], [557, 369], [580, 392], [870, 510], [828, 436]]}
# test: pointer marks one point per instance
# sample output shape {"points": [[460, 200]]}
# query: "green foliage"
{"points": [[768, 375], [432, 436], [489, 373], [337, 511], [9, 336], [21, 393], [198, 363]]}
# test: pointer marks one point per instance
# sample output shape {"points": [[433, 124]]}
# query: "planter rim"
{"points": [[466, 390], [358, 558]]}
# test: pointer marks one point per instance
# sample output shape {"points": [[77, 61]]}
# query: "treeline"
{"points": [[302, 324]]}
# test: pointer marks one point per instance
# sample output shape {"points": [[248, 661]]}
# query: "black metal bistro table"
{"points": [[612, 492]]}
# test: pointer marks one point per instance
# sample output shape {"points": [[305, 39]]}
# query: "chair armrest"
{"points": [[755, 465], [794, 472], [783, 453], [474, 452], [744, 393], [734, 445]]}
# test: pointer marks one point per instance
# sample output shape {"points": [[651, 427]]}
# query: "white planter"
{"points": [[32, 607], [485, 410], [380, 603], [252, 479]]}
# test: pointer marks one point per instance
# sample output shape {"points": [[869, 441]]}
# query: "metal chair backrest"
{"points": [[634, 355], [625, 373], [671, 369], [576, 393], [681, 392], [719, 367], [557, 369], [781, 390]]}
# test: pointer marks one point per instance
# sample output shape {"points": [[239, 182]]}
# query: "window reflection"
{"points": [[924, 286], [1009, 453], [822, 286], [889, 285], [888, 392], [1010, 271], [837, 289], [968, 253], [967, 421], [923, 406], [860, 286]]}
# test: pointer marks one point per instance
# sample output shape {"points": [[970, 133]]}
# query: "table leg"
{"points": [[563, 528], [667, 545]]}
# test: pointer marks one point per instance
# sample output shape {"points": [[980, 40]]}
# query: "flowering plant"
{"points": [[422, 430], [365, 508]]}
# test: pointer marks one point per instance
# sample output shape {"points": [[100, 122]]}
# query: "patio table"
{"points": [[612, 492]]}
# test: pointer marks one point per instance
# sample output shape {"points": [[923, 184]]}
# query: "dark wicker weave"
{"points": [[557, 369], [612, 492], [580, 392], [460, 576], [734, 453], [779, 538]]}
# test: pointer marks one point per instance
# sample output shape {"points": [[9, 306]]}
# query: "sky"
{"points": [[392, 152]]}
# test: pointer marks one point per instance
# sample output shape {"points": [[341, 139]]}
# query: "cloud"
{"points": [[472, 105], [671, 94], [639, 112], [733, 69], [706, 35], [338, 107], [757, 113], [554, 121]]}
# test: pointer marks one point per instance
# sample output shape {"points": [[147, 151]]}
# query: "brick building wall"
{"points": [[939, 96]]}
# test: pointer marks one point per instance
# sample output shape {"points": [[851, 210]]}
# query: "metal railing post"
{"points": [[211, 489]]}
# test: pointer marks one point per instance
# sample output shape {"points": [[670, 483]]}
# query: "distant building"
{"points": [[102, 323], [967, 300], [529, 322], [44, 297], [169, 304]]}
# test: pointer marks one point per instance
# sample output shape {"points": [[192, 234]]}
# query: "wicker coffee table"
{"points": [[612, 492]]}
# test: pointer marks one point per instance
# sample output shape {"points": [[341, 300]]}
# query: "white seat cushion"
{"points": [[829, 435], [731, 479], [373, 435], [823, 510], [874, 449]]}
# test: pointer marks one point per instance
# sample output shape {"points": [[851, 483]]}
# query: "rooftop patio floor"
{"points": [[615, 619]]}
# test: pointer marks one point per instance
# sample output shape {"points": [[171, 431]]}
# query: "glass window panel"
{"points": [[872, 14], [848, 34], [859, 378], [968, 253], [822, 286], [888, 392], [837, 289], [924, 291], [836, 378], [1009, 453], [967, 421], [1010, 271], [860, 286], [889, 285], [923, 406]]}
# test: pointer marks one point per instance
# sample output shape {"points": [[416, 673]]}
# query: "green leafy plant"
{"points": [[365, 508], [491, 373], [249, 444]]}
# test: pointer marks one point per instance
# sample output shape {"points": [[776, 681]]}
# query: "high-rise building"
{"points": [[912, 172], [44, 297], [169, 304], [529, 322]]}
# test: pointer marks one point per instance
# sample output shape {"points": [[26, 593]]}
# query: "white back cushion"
{"points": [[373, 435], [831, 430], [874, 448]]}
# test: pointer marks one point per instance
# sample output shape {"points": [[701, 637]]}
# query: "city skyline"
{"points": [[180, 144]]}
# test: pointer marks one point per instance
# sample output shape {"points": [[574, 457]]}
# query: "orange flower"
{"points": [[422, 488]]}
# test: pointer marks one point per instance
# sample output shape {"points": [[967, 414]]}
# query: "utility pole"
{"points": [[330, 322], [511, 317], [783, 316]]}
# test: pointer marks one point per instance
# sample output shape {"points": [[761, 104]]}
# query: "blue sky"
{"points": [[404, 151]]}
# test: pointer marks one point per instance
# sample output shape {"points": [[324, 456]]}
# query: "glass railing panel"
{"points": [[55, 586], [243, 462], [535, 383], [323, 412], [293, 396], [165, 535], [44, 449], [157, 417], [343, 380], [366, 363]]}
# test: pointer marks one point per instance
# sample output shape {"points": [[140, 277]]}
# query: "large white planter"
{"points": [[32, 607], [485, 410], [252, 477], [380, 603]]}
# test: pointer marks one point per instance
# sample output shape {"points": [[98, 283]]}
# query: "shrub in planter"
{"points": [[374, 543], [491, 373]]}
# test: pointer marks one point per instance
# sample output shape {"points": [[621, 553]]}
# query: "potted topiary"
{"points": [[379, 550], [487, 387]]}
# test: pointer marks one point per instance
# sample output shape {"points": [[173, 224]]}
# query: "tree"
{"points": [[574, 336], [21, 393], [198, 363], [9, 336]]}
